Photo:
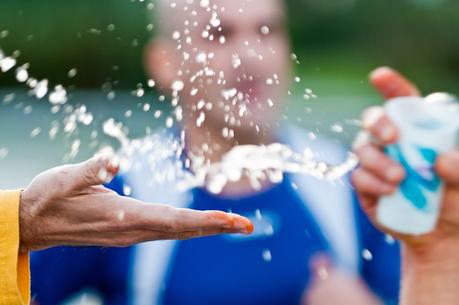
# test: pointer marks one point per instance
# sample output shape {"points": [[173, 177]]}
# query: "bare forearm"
{"points": [[431, 276]]}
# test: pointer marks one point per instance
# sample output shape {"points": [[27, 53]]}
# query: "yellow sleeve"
{"points": [[14, 268]]}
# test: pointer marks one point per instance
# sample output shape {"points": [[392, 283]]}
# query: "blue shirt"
{"points": [[269, 268]]}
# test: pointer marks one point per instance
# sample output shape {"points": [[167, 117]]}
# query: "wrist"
{"points": [[432, 250], [431, 273]]}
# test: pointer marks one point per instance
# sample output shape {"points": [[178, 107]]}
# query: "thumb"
{"points": [[389, 83], [447, 167], [96, 171]]}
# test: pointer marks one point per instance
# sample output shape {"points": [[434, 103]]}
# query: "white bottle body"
{"points": [[428, 127]]}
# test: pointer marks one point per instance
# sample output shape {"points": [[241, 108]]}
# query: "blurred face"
{"points": [[233, 59]]}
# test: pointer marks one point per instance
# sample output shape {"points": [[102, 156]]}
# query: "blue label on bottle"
{"points": [[418, 179]]}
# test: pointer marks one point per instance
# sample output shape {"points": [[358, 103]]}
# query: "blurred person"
{"points": [[430, 261], [68, 205], [309, 234]]}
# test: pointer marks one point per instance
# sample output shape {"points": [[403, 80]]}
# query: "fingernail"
{"points": [[388, 133], [114, 161], [394, 174], [321, 265], [249, 229], [243, 225], [381, 70]]}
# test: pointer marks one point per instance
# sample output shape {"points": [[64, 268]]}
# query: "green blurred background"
{"points": [[337, 42]]}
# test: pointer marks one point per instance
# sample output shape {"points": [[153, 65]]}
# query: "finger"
{"points": [[128, 237], [378, 124], [448, 167], [192, 220], [321, 266], [186, 220], [375, 161], [368, 204], [95, 171], [367, 183], [392, 84]]}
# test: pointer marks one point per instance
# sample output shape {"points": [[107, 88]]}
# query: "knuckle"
{"points": [[90, 172], [62, 180]]}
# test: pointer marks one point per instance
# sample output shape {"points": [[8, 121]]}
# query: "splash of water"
{"points": [[257, 163]]}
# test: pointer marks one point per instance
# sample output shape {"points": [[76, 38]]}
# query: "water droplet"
{"points": [[201, 58], [176, 35], [4, 34], [58, 96], [169, 122], [228, 94], [214, 21], [41, 89], [120, 215], [366, 254], [201, 118], [236, 61], [72, 73], [267, 256], [151, 83], [389, 239], [177, 86], [53, 132], [264, 30], [22, 75], [139, 92], [35, 132], [7, 63], [3, 153], [127, 190], [337, 128]]}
